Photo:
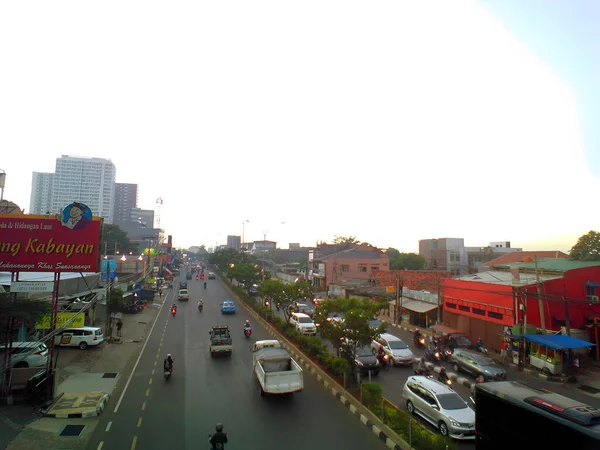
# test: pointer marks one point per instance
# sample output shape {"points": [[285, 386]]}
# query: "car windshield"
{"points": [[398, 345], [364, 351], [304, 320], [451, 401]]}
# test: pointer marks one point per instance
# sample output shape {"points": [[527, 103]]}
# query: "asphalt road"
{"points": [[181, 413]]}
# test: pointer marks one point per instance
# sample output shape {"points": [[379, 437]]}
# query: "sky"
{"points": [[389, 121]]}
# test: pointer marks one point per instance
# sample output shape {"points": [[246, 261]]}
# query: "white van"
{"points": [[79, 337]]}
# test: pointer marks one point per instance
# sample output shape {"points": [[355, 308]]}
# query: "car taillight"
{"points": [[95, 338], [40, 353]]}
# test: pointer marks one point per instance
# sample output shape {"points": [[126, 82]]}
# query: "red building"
{"points": [[482, 304]]}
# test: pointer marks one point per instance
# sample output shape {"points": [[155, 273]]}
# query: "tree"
{"points": [[408, 261], [285, 294], [587, 247], [244, 273], [355, 327], [23, 309], [115, 238], [224, 258], [345, 240]]}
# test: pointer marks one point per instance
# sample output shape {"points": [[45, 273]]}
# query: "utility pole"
{"points": [[398, 301], [108, 331], [567, 318], [539, 295]]}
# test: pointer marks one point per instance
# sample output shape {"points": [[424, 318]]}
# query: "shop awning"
{"points": [[168, 271], [418, 306], [558, 341]]}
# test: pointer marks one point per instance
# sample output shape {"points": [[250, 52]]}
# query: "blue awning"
{"points": [[592, 284], [558, 341]]}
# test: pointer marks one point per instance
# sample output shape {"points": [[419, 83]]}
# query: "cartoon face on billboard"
{"points": [[76, 216]]}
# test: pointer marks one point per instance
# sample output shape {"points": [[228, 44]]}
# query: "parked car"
{"points": [[26, 354], [439, 405], [211, 276], [363, 360], [303, 323], [227, 307], [395, 348], [79, 337], [253, 290], [477, 364]]}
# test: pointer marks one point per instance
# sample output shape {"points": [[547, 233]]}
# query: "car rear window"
{"points": [[98, 332], [451, 401], [397, 345]]}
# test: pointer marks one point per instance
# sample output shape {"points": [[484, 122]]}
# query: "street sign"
{"points": [[32, 286]]}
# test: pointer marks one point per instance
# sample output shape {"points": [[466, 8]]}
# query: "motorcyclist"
{"points": [[421, 366], [169, 362], [219, 439], [247, 325], [205, 285], [443, 376], [201, 304], [381, 355], [417, 335]]}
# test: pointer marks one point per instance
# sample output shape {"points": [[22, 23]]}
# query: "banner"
{"points": [[61, 318], [68, 242]]}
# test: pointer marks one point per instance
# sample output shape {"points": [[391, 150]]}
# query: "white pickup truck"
{"points": [[275, 370]]}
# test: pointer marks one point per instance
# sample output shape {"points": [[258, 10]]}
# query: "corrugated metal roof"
{"points": [[506, 278], [553, 264]]}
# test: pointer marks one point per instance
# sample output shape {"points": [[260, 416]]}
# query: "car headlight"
{"points": [[454, 422], [358, 362], [487, 371]]}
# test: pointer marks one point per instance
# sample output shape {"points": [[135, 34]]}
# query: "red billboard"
{"points": [[67, 242]]}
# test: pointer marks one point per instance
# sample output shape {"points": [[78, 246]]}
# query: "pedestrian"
{"points": [[119, 327], [503, 351]]}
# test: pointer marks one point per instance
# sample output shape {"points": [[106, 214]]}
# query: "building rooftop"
{"points": [[552, 264], [356, 254], [505, 278], [520, 257]]}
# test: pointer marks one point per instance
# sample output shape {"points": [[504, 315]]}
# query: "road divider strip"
{"points": [[370, 420]]}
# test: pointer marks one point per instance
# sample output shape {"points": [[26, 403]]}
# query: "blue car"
{"points": [[228, 307]]}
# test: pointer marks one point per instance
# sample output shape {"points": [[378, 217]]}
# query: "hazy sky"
{"points": [[391, 121]]}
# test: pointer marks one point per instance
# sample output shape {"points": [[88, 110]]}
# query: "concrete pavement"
{"points": [[182, 412]]}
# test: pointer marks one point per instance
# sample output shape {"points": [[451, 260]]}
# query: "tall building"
{"points": [[144, 218], [87, 180], [126, 195], [234, 242], [40, 201]]}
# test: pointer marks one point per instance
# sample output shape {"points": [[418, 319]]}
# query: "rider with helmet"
{"points": [[218, 439], [168, 364]]}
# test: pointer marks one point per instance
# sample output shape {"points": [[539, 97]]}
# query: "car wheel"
{"points": [[21, 365], [456, 368], [83, 345], [409, 407], [443, 429]]}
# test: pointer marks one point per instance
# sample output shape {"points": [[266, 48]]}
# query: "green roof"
{"points": [[553, 264]]}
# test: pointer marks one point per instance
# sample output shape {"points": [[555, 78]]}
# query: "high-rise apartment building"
{"points": [[87, 180], [126, 195], [40, 201], [234, 242], [143, 217]]}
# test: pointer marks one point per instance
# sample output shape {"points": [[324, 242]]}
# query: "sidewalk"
{"points": [[84, 375]]}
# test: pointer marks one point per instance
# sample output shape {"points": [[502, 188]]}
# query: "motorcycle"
{"points": [[247, 332], [173, 311], [433, 355], [205, 285], [419, 340], [422, 372], [200, 307], [481, 347], [384, 361], [278, 306], [444, 379], [168, 373], [217, 446], [446, 354]]}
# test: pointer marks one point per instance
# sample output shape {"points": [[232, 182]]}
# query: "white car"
{"points": [[26, 354], [394, 348], [79, 337], [303, 324]]}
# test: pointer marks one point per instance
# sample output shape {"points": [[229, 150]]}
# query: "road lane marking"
{"points": [[133, 443], [139, 422], [150, 382], [153, 371], [147, 392], [100, 445], [136, 364], [155, 361], [144, 406], [108, 427]]}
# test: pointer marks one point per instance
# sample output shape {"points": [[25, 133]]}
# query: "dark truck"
{"points": [[220, 340]]}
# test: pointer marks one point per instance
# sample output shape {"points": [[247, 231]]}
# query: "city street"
{"points": [[202, 391]]}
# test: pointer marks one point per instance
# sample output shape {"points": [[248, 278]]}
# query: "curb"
{"points": [[85, 414], [367, 418]]}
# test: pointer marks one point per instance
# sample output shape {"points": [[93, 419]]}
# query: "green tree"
{"points": [[345, 240], [408, 261], [587, 247], [224, 258], [113, 237], [244, 273], [117, 302], [355, 327], [279, 292], [23, 309]]}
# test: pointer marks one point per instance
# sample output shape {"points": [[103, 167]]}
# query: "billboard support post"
{"points": [[53, 315]]}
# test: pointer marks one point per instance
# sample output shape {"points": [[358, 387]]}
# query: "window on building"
{"points": [[345, 268], [374, 268], [481, 312], [362, 268], [590, 289], [451, 305], [464, 308], [494, 315]]}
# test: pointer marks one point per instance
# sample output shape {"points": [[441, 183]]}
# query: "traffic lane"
{"points": [[225, 390], [123, 428]]}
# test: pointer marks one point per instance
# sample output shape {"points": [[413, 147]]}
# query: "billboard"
{"points": [[68, 242], [61, 318]]}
